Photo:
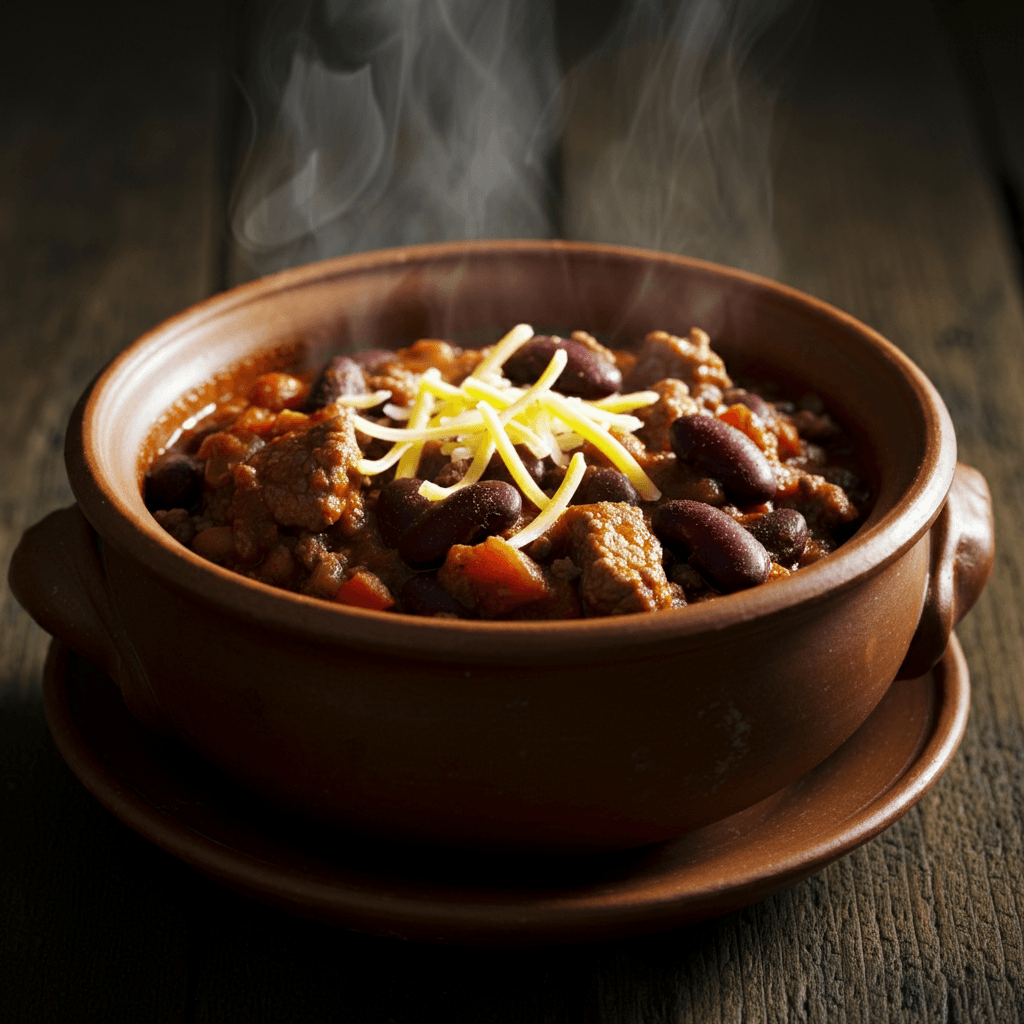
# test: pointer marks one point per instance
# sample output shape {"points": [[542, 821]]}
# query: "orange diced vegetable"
{"points": [[740, 417], [493, 576], [365, 590], [789, 440]]}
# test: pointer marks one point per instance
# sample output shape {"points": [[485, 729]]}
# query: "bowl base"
{"points": [[169, 795]]}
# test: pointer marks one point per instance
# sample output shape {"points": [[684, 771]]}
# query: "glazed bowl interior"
{"points": [[472, 293]]}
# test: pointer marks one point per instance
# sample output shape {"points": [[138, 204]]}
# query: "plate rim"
{"points": [[537, 921]]}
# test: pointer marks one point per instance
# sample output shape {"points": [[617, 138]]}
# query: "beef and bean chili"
{"points": [[540, 478]]}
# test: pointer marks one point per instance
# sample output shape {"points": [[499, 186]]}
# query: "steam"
{"points": [[668, 139], [406, 121], [403, 121]]}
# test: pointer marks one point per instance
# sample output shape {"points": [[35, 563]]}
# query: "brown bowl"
{"points": [[536, 736]]}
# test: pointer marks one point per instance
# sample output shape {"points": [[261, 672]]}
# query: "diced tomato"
{"points": [[740, 417], [789, 440], [365, 590], [494, 576]]}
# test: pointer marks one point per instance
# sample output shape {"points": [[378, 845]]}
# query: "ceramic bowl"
{"points": [[568, 736]]}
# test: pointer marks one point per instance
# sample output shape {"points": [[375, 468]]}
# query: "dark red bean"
{"points": [[727, 557], [339, 378], [423, 595], [783, 532], [399, 505], [175, 480], [465, 517], [727, 454], [497, 470], [755, 403], [586, 374], [602, 483]]}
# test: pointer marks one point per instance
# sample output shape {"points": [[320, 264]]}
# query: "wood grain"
{"points": [[111, 217], [111, 200]]}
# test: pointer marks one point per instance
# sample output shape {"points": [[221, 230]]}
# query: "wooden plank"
{"points": [[111, 199], [985, 39]]}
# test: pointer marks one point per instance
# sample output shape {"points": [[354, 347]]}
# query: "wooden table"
{"points": [[899, 194]]}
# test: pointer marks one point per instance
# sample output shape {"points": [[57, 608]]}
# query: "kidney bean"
{"points": [[602, 483], [783, 532], [175, 480], [340, 377], [726, 555], [755, 403], [725, 453], [465, 517], [399, 505], [497, 470], [423, 595], [586, 374]]}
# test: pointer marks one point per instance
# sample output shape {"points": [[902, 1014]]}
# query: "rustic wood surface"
{"points": [[898, 198]]}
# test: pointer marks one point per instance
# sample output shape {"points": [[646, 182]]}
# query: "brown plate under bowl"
{"points": [[566, 736], [170, 796]]}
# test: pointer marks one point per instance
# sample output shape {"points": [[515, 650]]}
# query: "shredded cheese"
{"points": [[557, 505], [419, 417], [370, 401], [603, 440], [516, 338], [510, 456], [626, 403], [488, 414]]}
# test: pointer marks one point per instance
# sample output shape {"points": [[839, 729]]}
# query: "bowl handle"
{"points": [[962, 556], [57, 575]]}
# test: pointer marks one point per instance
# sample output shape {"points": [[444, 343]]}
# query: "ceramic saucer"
{"points": [[175, 799]]}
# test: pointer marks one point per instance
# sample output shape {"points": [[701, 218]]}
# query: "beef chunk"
{"points": [[304, 479], [619, 559], [341, 377]]}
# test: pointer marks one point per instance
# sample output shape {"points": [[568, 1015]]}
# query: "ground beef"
{"points": [[825, 506], [455, 364], [690, 360], [391, 376], [675, 401]]}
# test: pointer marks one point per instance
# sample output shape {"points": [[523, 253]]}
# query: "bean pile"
{"points": [[540, 478]]}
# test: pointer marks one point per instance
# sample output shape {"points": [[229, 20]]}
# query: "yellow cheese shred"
{"points": [[371, 467], [486, 413], [370, 401], [626, 403], [556, 506], [511, 458], [516, 338], [603, 441], [476, 470]]}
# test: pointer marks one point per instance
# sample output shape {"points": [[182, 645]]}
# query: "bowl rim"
{"points": [[130, 528]]}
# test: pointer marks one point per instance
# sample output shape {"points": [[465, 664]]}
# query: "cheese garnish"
{"points": [[558, 504], [488, 414]]}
